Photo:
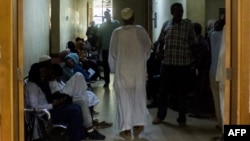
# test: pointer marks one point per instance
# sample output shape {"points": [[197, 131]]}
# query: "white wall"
{"points": [[196, 12], [69, 21], [162, 8], [35, 31], [212, 8], [76, 23]]}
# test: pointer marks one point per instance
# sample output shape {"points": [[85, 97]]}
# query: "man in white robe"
{"points": [[221, 78], [129, 51], [216, 40]]}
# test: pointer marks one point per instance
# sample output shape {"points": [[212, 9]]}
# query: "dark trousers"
{"points": [[153, 86], [105, 55], [71, 115], [173, 83], [91, 110]]}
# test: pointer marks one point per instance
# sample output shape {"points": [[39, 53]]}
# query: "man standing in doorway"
{"points": [[179, 51], [104, 34]]}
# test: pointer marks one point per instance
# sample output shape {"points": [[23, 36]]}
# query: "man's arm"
{"points": [[99, 39], [193, 42], [113, 51], [161, 38]]}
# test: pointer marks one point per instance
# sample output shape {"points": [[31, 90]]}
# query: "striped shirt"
{"points": [[105, 31], [178, 41]]}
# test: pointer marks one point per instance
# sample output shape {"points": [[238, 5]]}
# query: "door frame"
{"points": [[11, 63], [237, 103], [227, 88], [11, 51]]}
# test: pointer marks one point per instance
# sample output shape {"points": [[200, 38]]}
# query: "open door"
{"points": [[228, 63], [237, 104], [11, 88]]}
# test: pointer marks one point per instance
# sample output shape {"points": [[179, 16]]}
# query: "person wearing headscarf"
{"points": [[71, 66]]}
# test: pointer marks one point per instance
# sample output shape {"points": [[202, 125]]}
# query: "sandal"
{"points": [[137, 130], [103, 124], [126, 135], [95, 122]]}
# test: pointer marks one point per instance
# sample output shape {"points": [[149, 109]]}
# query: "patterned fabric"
{"points": [[179, 38], [105, 32]]}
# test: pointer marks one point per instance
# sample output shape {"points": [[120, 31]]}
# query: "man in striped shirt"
{"points": [[180, 41]]}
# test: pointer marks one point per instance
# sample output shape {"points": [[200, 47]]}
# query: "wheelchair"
{"points": [[41, 128]]}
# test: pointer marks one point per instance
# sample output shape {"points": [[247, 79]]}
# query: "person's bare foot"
{"points": [[137, 130], [126, 134]]}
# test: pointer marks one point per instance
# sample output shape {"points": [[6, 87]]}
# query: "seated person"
{"points": [[90, 65], [45, 60], [81, 49], [76, 84], [76, 87], [71, 66], [38, 95], [86, 60], [72, 47]]}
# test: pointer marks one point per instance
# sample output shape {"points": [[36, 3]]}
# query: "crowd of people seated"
{"points": [[62, 89]]}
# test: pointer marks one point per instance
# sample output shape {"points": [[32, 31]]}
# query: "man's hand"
{"points": [[58, 102]]}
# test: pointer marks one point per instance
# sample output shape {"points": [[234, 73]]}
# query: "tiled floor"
{"points": [[196, 129]]}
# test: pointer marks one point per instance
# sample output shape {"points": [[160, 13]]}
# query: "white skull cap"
{"points": [[44, 58], [127, 13]]}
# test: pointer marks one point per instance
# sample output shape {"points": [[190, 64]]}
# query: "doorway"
{"points": [[99, 7], [12, 54]]}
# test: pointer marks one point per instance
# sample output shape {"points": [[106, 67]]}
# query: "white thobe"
{"points": [[130, 48], [216, 39], [76, 87], [221, 74], [35, 98]]}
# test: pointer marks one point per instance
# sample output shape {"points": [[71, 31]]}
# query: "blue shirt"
{"points": [[68, 72], [215, 39]]}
